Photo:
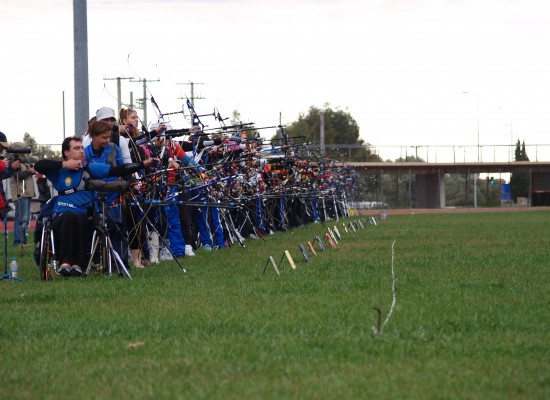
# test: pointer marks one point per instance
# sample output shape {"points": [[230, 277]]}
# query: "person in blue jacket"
{"points": [[102, 151]]}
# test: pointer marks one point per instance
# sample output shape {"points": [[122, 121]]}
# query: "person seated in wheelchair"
{"points": [[74, 181]]}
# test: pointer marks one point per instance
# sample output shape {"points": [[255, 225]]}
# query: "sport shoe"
{"points": [[65, 269], [165, 255], [189, 250], [207, 247], [76, 271]]}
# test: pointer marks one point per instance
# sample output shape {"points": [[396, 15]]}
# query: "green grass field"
{"points": [[472, 319]]}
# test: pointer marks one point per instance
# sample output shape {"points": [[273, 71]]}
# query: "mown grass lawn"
{"points": [[472, 319]]}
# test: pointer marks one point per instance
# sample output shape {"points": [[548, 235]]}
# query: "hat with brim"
{"points": [[3, 140], [105, 113]]}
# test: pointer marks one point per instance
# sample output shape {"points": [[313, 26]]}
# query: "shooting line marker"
{"points": [[330, 240], [304, 253], [320, 243], [337, 233], [289, 258], [311, 248], [270, 259]]}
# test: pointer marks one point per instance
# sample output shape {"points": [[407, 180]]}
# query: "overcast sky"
{"points": [[400, 67]]}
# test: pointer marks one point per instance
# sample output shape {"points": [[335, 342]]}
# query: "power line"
{"points": [[192, 97], [118, 89], [143, 100]]}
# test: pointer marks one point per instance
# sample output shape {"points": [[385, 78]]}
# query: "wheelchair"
{"points": [[44, 252], [44, 246], [46, 242]]}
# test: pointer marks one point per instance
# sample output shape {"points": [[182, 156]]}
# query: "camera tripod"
{"points": [[109, 260]]}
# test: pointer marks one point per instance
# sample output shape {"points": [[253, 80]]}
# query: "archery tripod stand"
{"points": [[109, 259]]}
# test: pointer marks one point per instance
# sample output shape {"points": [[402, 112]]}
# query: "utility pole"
{"points": [[143, 100], [322, 135], [81, 86], [192, 97], [118, 89], [478, 147]]}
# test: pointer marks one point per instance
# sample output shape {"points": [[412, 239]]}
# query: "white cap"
{"points": [[105, 113]]}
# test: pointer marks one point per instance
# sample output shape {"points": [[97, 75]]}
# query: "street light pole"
{"points": [[511, 141], [511, 156], [478, 147]]}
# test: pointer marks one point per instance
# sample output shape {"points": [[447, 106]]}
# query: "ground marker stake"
{"points": [[330, 240], [270, 259], [311, 248], [332, 236], [320, 243], [337, 233], [290, 260], [304, 253]]}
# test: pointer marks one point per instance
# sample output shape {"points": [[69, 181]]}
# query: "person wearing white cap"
{"points": [[107, 114]]}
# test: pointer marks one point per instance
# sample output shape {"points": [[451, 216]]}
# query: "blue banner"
{"points": [[505, 194]]}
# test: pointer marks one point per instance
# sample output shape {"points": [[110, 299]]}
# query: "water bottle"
{"points": [[14, 268]]}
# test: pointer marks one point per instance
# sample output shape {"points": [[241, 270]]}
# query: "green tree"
{"points": [[235, 118], [340, 128], [409, 159], [40, 151], [519, 181]]}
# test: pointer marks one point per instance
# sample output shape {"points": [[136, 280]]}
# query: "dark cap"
{"points": [[3, 140]]}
